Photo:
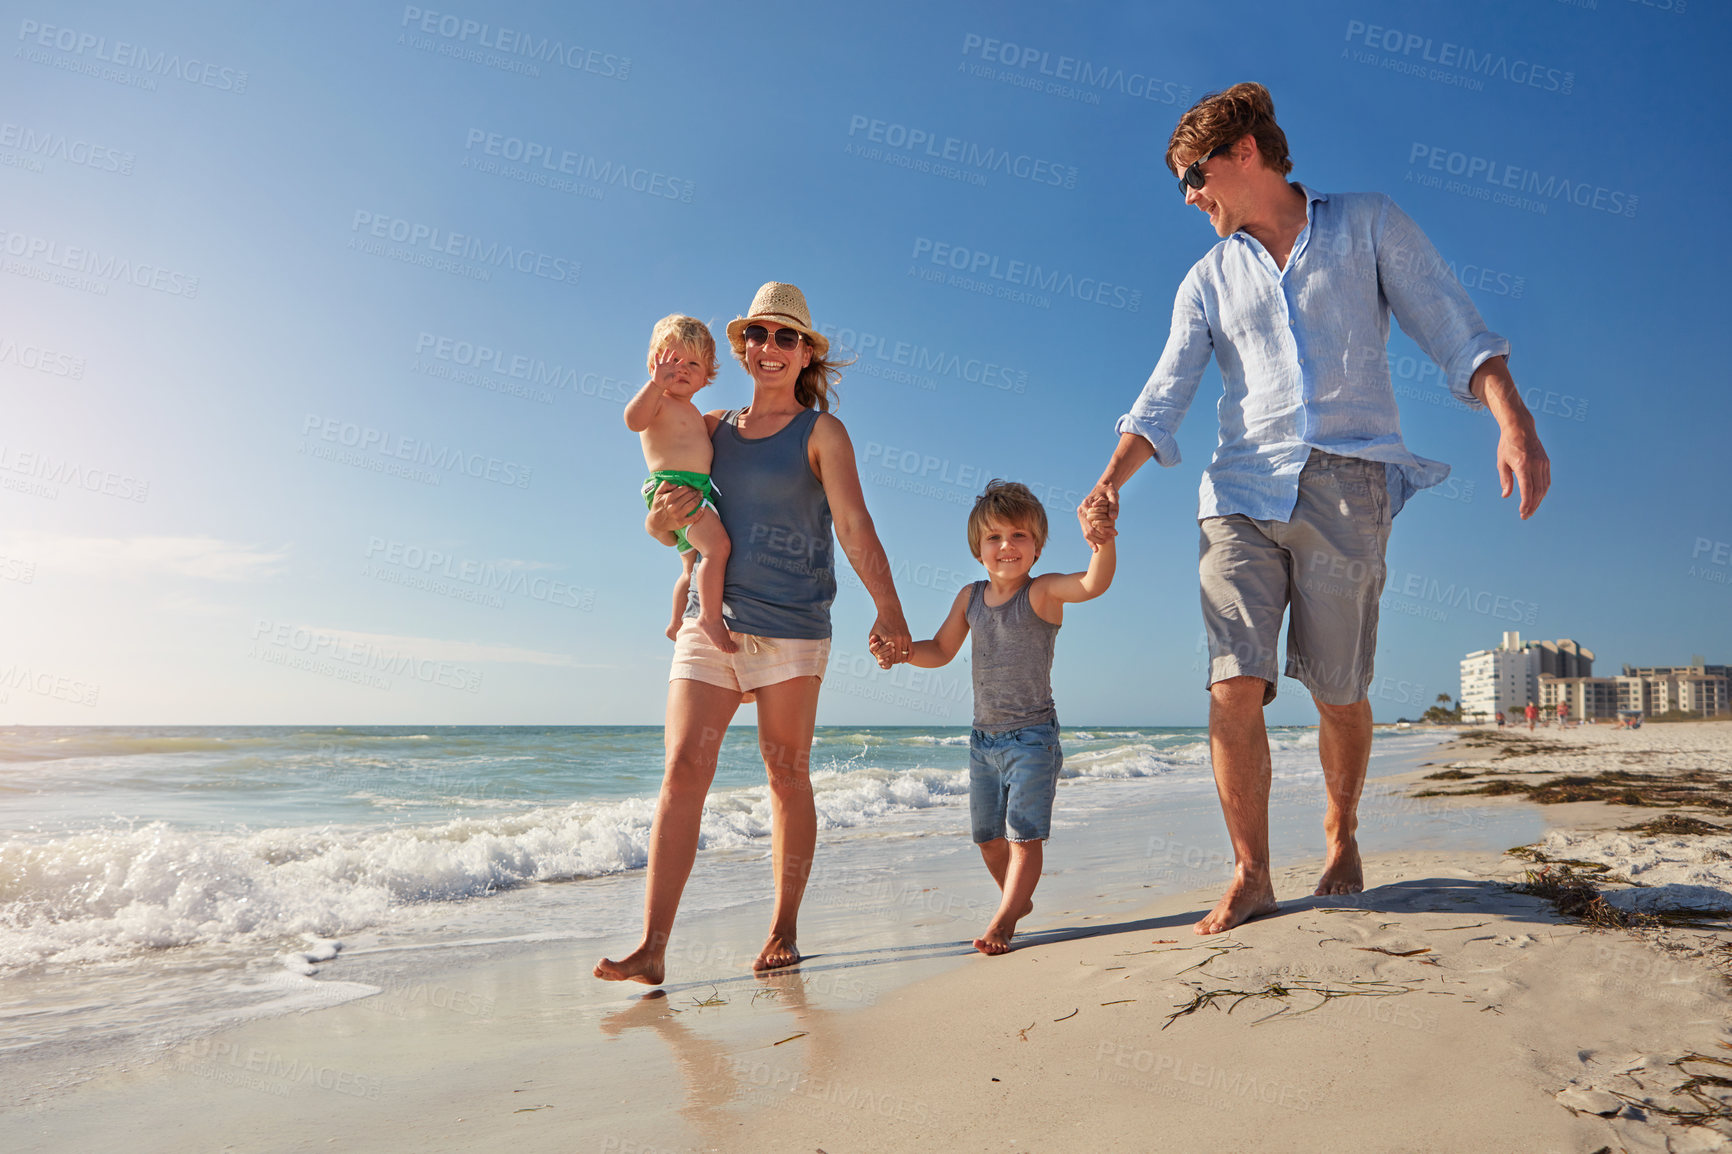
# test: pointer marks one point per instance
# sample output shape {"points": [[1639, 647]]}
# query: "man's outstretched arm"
{"points": [[1521, 459]]}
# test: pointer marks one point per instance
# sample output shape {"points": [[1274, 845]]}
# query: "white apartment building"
{"points": [[1505, 678]]}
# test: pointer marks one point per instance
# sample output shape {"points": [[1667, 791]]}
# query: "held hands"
{"points": [[890, 642], [1098, 514]]}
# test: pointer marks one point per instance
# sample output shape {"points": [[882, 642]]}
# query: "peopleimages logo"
{"points": [[915, 359], [554, 160], [123, 54], [1486, 178], [954, 150], [1447, 54], [83, 261], [59, 146], [441, 242], [364, 442], [1026, 274], [516, 42], [1074, 70]]}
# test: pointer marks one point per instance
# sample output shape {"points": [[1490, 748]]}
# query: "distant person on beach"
{"points": [[784, 471], [1013, 754], [1310, 468], [1563, 714], [1532, 712], [676, 447], [1500, 719]]}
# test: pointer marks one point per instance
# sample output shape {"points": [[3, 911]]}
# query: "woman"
{"points": [[785, 472]]}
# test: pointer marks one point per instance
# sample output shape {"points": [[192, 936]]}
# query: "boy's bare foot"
{"points": [[996, 939], [777, 952], [718, 634], [1248, 896], [1342, 873], [638, 966]]}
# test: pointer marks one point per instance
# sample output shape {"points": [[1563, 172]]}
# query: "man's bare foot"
{"points": [[638, 966], [777, 952], [1341, 871], [718, 634], [1246, 898]]}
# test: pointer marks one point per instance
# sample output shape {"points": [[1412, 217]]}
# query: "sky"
{"points": [[317, 322]]}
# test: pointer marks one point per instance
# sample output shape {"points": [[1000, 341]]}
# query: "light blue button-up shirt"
{"points": [[1304, 353]]}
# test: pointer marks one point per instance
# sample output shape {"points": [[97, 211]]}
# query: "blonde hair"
{"points": [[1007, 503], [678, 329], [1225, 117]]}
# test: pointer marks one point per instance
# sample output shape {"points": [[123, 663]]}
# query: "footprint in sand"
{"points": [[1516, 941]]}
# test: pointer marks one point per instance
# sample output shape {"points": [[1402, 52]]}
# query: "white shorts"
{"points": [[761, 661]]}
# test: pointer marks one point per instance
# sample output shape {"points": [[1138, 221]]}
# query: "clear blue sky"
{"points": [[185, 536]]}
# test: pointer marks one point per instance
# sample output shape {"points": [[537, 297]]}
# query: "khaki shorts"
{"points": [[1326, 562], [761, 661]]}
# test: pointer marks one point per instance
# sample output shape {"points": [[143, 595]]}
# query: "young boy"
{"points": [[1013, 754], [676, 447]]}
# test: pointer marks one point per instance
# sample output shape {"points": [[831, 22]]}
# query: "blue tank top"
{"points": [[780, 579]]}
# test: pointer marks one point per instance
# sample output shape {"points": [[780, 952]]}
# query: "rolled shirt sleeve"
{"points": [[1167, 395], [1430, 304]]}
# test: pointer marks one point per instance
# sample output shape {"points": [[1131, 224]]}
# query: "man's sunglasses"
{"points": [[785, 338], [1193, 176]]}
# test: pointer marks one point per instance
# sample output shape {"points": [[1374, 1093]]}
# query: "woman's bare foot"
{"points": [[718, 634], [996, 939], [641, 965], [777, 952], [1250, 895], [1342, 873]]}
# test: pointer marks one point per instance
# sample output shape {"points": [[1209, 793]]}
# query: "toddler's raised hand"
{"points": [[667, 364]]}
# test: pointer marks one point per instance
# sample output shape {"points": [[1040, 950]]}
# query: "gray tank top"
{"points": [[1012, 662], [780, 581]]}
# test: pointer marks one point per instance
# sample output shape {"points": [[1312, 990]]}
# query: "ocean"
{"points": [[156, 881]]}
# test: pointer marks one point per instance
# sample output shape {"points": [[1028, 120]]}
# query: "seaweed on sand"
{"points": [[1696, 787], [1281, 991]]}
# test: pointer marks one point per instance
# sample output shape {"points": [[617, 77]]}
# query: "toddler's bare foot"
{"points": [[777, 952], [996, 939], [641, 965], [718, 634]]}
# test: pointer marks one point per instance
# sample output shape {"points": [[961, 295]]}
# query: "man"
{"points": [[1296, 506]]}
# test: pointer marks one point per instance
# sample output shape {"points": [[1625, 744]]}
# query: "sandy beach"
{"points": [[1440, 1010]]}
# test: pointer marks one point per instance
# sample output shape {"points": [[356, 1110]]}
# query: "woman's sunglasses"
{"points": [[1193, 176], [785, 338]]}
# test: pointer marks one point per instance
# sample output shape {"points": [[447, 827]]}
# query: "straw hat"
{"points": [[778, 304]]}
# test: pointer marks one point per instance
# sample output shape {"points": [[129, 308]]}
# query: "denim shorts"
{"points": [[1012, 777]]}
